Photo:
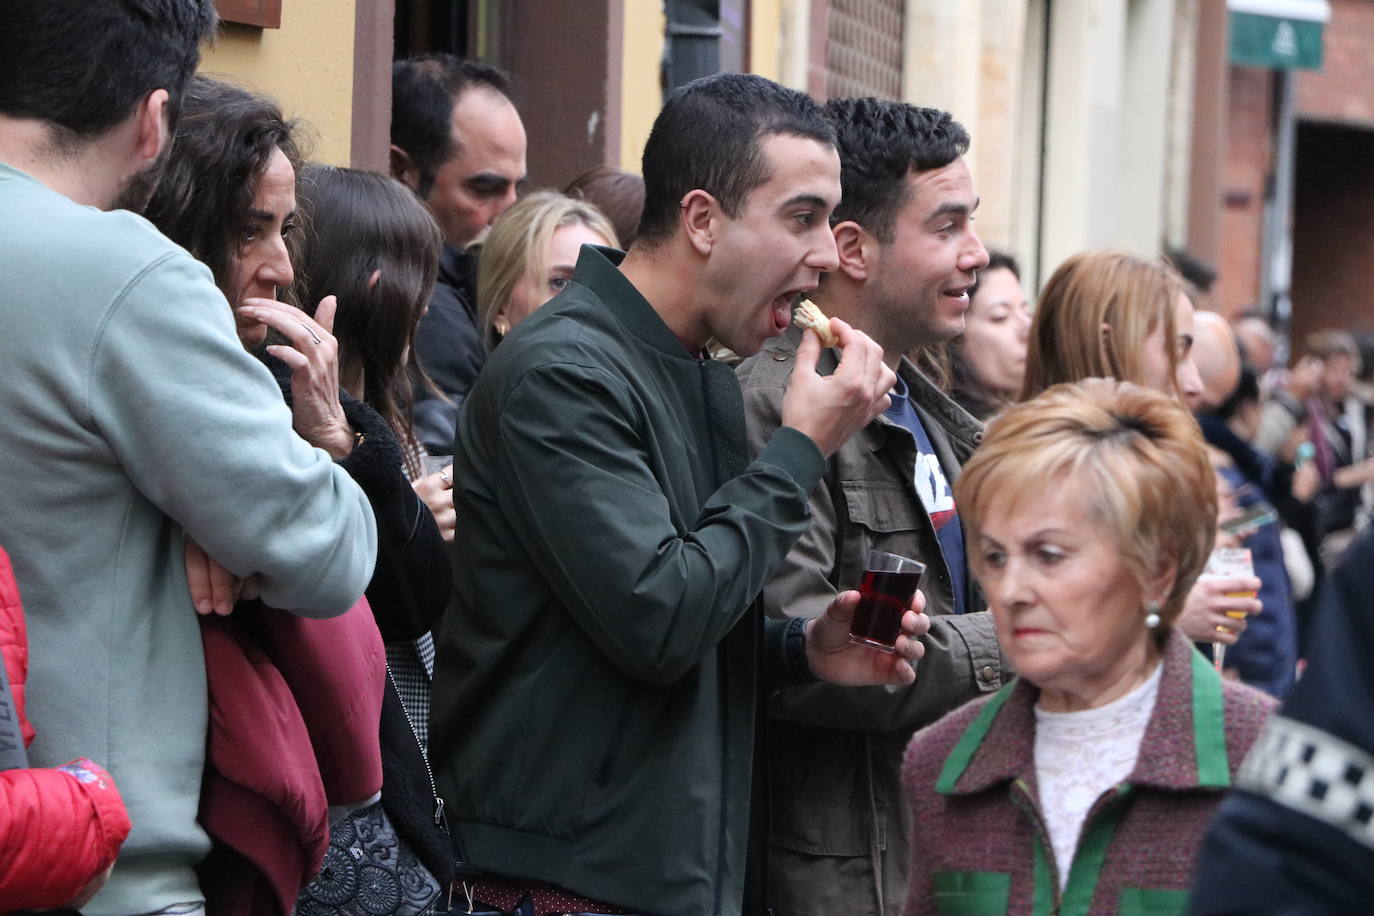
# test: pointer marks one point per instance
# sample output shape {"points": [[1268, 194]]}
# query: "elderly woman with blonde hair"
{"points": [[529, 256], [1084, 785]]}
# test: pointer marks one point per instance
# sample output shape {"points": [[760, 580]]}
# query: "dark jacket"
{"points": [[597, 687], [1266, 654], [1296, 837], [294, 705], [838, 841], [980, 844], [448, 344], [409, 590]]}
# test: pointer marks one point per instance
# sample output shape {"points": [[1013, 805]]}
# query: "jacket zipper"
{"points": [[424, 755], [722, 681]]}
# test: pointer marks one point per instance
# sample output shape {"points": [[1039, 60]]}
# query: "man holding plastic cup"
{"points": [[907, 254]]}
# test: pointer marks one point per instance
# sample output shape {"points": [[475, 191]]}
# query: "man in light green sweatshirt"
{"points": [[133, 419]]}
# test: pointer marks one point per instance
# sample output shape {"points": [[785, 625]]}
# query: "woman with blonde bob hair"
{"points": [[529, 256], [1084, 785], [1111, 314]]}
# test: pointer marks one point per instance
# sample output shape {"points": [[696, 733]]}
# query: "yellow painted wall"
{"points": [[765, 38], [306, 65], [641, 94]]}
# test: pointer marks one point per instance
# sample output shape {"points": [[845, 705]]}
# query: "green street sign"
{"points": [[1279, 42]]}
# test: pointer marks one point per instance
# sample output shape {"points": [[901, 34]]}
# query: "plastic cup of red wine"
{"points": [[885, 594]]}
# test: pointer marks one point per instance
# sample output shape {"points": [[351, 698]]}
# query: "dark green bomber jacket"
{"points": [[598, 687]]}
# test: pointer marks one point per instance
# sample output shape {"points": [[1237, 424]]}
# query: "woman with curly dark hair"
{"points": [[229, 197]]}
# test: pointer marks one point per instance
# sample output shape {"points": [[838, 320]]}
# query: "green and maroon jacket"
{"points": [[980, 846]]}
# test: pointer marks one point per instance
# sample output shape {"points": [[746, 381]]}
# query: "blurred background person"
{"points": [[988, 361], [1258, 345], [1110, 314], [1091, 509], [529, 256], [1283, 416], [1199, 277], [459, 144], [1338, 424], [1265, 490], [616, 193]]}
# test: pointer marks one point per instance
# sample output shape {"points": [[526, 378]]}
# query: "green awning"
{"points": [[1278, 34]]}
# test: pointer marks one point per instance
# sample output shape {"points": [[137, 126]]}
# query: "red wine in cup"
{"points": [[883, 598]]}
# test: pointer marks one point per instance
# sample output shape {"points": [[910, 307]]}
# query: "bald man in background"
{"points": [[1257, 339], [1217, 358], [1265, 655]]}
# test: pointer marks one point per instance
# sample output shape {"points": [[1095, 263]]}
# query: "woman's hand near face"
{"points": [[1206, 613], [436, 491], [313, 356]]}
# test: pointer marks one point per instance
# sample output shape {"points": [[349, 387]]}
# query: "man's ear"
{"points": [[152, 129], [699, 212], [403, 168], [856, 248]]}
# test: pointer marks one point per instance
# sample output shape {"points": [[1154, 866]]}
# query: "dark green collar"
{"points": [[1184, 746], [598, 269]]}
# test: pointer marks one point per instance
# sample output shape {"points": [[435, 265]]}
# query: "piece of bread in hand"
{"points": [[808, 316]]}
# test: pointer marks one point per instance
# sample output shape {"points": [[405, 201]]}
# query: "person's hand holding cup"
{"points": [[872, 636]]}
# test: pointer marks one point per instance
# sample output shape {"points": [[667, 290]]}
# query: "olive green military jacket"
{"points": [[838, 833]]}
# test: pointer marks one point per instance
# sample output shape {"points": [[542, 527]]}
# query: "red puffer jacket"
{"points": [[58, 828]]}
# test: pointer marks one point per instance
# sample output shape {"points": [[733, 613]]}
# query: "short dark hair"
{"points": [[708, 137], [84, 65], [881, 142], [224, 142], [997, 260], [423, 92], [1247, 391], [357, 223], [1200, 275]]}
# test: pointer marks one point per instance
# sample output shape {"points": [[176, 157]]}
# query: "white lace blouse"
{"points": [[1080, 755]]}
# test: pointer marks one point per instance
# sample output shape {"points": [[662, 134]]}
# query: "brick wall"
{"points": [[1333, 230], [1333, 219], [1343, 90], [1249, 149]]}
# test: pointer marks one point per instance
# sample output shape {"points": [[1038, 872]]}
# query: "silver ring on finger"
{"points": [[311, 331]]}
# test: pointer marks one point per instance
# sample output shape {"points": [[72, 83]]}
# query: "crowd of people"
{"points": [[420, 542]]}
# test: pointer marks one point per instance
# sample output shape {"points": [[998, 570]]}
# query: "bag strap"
{"points": [[12, 754]]}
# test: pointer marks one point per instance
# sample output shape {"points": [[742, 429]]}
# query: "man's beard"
{"points": [[138, 190]]}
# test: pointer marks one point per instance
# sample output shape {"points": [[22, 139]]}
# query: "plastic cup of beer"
{"points": [[1228, 563], [885, 594]]}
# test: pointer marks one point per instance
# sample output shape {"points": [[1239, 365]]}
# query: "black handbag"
{"points": [[369, 871]]}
